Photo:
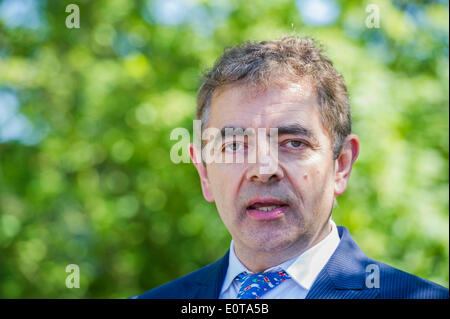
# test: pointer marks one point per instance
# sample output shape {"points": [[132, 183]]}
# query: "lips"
{"points": [[266, 208]]}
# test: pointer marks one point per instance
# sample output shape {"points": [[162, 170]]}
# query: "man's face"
{"points": [[301, 187]]}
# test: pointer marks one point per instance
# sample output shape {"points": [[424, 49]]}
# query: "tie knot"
{"points": [[254, 285]]}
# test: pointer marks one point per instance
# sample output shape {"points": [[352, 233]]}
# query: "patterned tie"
{"points": [[254, 285]]}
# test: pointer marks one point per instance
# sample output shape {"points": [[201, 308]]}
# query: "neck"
{"points": [[259, 261]]}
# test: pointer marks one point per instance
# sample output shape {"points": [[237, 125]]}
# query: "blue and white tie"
{"points": [[254, 285]]}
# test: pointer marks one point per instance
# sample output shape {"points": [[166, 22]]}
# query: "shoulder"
{"points": [[349, 262], [176, 289], [397, 284], [188, 286]]}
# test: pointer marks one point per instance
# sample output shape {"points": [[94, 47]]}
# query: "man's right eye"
{"points": [[233, 146]]}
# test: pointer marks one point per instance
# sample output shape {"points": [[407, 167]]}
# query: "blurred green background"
{"points": [[86, 116]]}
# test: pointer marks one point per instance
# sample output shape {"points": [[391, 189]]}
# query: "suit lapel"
{"points": [[210, 283], [344, 275]]}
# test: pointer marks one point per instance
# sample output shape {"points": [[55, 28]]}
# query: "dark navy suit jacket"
{"points": [[343, 277]]}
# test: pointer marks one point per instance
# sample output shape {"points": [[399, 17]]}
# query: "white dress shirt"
{"points": [[303, 270]]}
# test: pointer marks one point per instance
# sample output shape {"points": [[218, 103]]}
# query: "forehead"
{"points": [[245, 106]]}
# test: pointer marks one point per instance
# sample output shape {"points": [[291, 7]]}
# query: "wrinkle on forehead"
{"points": [[246, 101], [246, 93]]}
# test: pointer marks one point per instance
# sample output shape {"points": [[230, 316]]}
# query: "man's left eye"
{"points": [[295, 143], [233, 146]]}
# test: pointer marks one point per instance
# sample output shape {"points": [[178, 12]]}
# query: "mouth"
{"points": [[266, 209]]}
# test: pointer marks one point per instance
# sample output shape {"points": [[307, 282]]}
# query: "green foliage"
{"points": [[91, 182]]}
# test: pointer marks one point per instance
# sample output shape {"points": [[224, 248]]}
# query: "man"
{"points": [[278, 207]]}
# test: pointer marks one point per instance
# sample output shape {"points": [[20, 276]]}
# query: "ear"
{"points": [[344, 163], [195, 153]]}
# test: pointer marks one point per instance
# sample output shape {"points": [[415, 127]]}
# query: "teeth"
{"points": [[268, 208]]}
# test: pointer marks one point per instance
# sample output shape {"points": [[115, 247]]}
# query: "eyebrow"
{"points": [[237, 131], [287, 129], [296, 129]]}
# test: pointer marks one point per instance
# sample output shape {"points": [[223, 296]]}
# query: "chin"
{"points": [[271, 242]]}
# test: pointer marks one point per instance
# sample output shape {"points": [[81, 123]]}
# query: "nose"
{"points": [[266, 169]]}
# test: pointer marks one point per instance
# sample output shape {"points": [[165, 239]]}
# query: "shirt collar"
{"points": [[303, 269]]}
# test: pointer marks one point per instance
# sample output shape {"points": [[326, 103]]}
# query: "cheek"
{"points": [[311, 179], [224, 179]]}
